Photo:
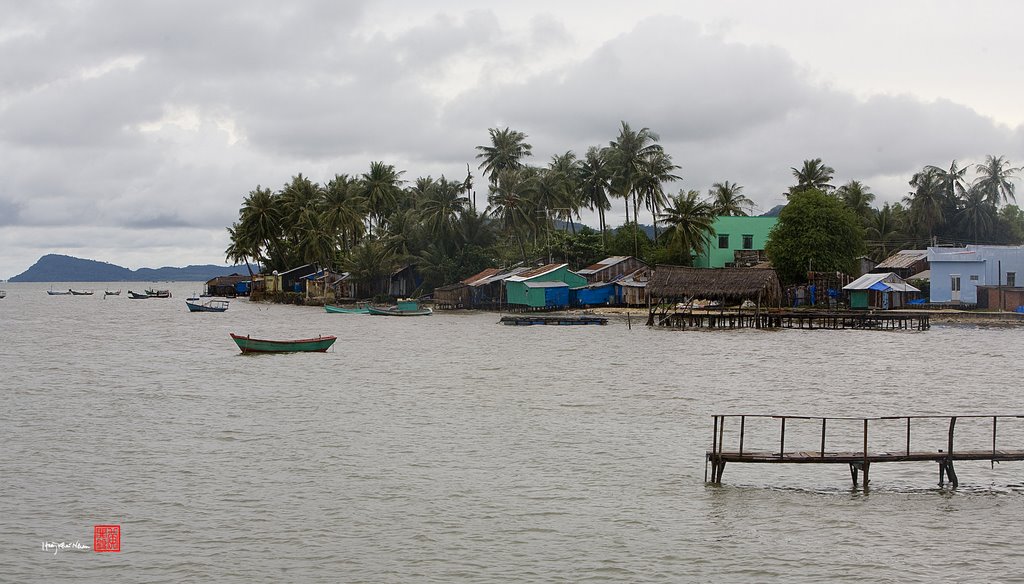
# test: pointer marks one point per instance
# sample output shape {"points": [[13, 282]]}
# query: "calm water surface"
{"points": [[448, 448]]}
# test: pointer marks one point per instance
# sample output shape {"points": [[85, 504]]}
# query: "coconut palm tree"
{"points": [[594, 183], [441, 208], [954, 180], [381, 188], [511, 205], [657, 170], [882, 231], [977, 214], [813, 174], [368, 263], [507, 150], [727, 199], [260, 227], [691, 224], [926, 201], [995, 179], [857, 197], [627, 155], [344, 210]]}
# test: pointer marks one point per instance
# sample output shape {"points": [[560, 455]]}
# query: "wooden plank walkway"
{"points": [[789, 319], [859, 461]]}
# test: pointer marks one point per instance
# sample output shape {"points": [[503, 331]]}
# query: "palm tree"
{"points": [[926, 201], [260, 227], [691, 222], [368, 263], [627, 154], [507, 150], [814, 174], [995, 178], [882, 229], [511, 205], [657, 170], [315, 244], [239, 249], [381, 188], [857, 197], [954, 180], [728, 200], [565, 170], [594, 178], [441, 208], [344, 210], [977, 214]]}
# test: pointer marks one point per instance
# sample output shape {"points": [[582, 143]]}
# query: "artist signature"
{"points": [[64, 546]]}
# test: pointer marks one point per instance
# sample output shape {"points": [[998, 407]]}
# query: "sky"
{"points": [[131, 131]]}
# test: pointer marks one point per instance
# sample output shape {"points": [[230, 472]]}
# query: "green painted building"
{"points": [[747, 235], [543, 287]]}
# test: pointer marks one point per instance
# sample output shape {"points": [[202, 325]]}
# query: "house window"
{"points": [[1011, 279], [748, 242], [974, 277], [723, 241]]}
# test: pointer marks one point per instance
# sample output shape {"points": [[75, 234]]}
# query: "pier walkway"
{"points": [[788, 319], [860, 461]]}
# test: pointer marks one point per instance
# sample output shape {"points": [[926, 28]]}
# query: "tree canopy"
{"points": [[815, 232]]}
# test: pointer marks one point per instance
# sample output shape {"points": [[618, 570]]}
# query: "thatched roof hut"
{"points": [[725, 284]]}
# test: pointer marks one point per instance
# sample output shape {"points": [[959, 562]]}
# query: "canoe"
{"points": [[81, 292], [361, 309], [158, 293], [137, 296], [404, 308], [251, 345], [195, 305], [109, 293], [58, 293]]}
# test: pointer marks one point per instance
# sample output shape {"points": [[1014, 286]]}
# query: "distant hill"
{"points": [[62, 268]]}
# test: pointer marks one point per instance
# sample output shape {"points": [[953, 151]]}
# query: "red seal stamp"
{"points": [[106, 538]]}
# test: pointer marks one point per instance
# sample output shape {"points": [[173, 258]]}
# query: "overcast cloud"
{"points": [[131, 131]]}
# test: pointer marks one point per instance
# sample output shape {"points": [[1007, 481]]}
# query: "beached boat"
{"points": [[251, 345], [197, 305], [357, 309], [552, 320], [137, 296], [158, 293], [404, 308]]}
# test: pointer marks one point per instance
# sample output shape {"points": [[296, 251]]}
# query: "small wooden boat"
{"points": [[59, 292], [158, 293], [552, 320], [404, 308], [357, 309], [111, 293], [3, 293], [81, 292], [251, 345], [137, 296], [196, 305]]}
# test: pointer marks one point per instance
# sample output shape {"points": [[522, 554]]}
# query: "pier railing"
{"points": [[861, 446]]}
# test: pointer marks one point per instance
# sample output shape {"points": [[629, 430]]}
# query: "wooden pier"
{"points": [[563, 320], [859, 460], [789, 319]]}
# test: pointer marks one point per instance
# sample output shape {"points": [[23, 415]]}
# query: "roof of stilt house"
{"points": [[731, 284]]}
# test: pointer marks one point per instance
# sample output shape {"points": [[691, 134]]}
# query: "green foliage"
{"points": [[815, 232], [621, 241]]}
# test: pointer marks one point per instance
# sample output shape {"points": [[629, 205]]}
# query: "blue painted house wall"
{"points": [[596, 295], [973, 266]]}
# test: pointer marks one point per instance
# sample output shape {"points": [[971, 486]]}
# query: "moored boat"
{"points": [[59, 292], [3, 293], [315, 345], [158, 293], [357, 309], [81, 292], [137, 295], [196, 305], [404, 308], [111, 293]]}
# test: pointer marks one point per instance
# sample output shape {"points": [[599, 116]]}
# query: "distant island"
{"points": [[62, 268]]}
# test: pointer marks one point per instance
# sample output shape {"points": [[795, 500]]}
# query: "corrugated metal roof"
{"points": [[481, 276], [536, 272], [501, 275], [880, 282], [547, 284], [605, 263], [903, 259]]}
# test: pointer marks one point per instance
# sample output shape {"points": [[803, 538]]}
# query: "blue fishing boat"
{"points": [[406, 307], [197, 305]]}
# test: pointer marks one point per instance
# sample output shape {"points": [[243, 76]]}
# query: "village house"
{"points": [[611, 269], [229, 286], [906, 263], [737, 242], [546, 287], [958, 272], [881, 291], [482, 290]]}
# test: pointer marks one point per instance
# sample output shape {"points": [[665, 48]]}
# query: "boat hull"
{"points": [[211, 306], [137, 296], [251, 345], [340, 310], [394, 311]]}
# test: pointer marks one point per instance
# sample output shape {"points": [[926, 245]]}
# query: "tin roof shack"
{"points": [[611, 269], [1001, 298], [883, 291], [294, 280], [595, 294], [228, 286], [673, 285], [455, 295], [526, 291], [483, 290], [404, 281], [632, 290], [904, 263], [956, 273]]}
